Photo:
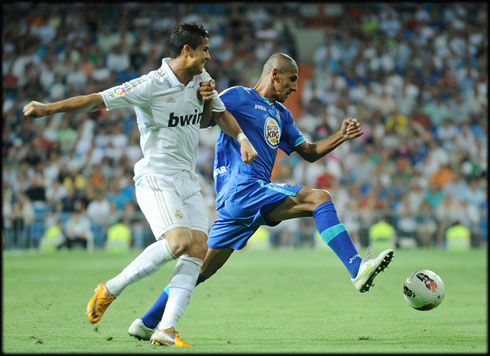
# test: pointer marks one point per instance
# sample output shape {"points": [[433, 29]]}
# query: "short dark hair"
{"points": [[187, 33]]}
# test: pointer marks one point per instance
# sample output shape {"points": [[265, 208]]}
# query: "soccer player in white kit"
{"points": [[171, 104]]}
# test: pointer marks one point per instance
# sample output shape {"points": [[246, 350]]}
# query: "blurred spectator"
{"points": [[75, 180], [457, 186], [77, 231], [98, 211], [7, 217], [115, 215], [406, 224], [382, 235], [434, 195], [284, 234], [457, 237], [67, 204], [419, 116], [24, 215], [305, 235], [36, 194], [36, 191], [437, 110], [449, 211], [55, 193], [53, 237], [119, 237], [471, 219], [118, 195], [396, 123], [136, 222], [442, 177], [427, 226]]}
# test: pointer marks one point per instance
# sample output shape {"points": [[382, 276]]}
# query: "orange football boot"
{"points": [[99, 302]]}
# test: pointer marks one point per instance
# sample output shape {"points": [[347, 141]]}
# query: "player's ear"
{"points": [[275, 75], [186, 50]]}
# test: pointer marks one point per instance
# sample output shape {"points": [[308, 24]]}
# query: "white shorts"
{"points": [[172, 201]]}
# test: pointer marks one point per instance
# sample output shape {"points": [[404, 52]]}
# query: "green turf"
{"points": [[262, 301]]}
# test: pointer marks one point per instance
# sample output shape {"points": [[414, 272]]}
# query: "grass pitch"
{"points": [[261, 301]]}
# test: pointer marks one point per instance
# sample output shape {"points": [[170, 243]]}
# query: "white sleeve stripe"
{"points": [[132, 84]]}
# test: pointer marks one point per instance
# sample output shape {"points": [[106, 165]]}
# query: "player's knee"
{"points": [[179, 244], [319, 196]]}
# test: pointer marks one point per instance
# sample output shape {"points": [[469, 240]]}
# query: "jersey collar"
{"points": [[170, 74], [194, 82], [262, 98]]}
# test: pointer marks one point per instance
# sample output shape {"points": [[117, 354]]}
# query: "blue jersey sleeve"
{"points": [[291, 136], [231, 98]]}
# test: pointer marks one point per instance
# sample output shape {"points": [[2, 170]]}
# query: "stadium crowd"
{"points": [[415, 75]]}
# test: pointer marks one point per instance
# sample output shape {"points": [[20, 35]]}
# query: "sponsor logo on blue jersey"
{"points": [[219, 170], [260, 107], [272, 132]]}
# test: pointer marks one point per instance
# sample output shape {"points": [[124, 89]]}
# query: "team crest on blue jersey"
{"points": [[272, 132]]}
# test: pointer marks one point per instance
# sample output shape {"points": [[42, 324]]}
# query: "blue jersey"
{"points": [[268, 126]]}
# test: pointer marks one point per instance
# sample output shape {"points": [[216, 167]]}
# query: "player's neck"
{"points": [[264, 90], [178, 67]]}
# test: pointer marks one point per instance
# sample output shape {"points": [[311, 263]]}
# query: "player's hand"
{"points": [[247, 151], [351, 129], [206, 90], [35, 109]]}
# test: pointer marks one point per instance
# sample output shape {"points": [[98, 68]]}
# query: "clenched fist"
{"points": [[247, 151], [206, 90], [34, 110], [351, 129]]}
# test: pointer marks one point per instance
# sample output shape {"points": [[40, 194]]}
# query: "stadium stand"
{"points": [[414, 74]]}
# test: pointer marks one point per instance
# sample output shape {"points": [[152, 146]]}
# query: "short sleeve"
{"points": [[218, 104], [291, 136], [136, 92], [230, 98]]}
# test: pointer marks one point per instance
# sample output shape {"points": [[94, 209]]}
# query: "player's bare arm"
{"points": [[74, 105], [227, 122], [312, 152]]}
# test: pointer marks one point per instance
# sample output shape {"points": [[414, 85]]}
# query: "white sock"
{"points": [[150, 260], [181, 287]]}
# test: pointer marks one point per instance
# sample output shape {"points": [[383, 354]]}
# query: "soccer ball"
{"points": [[424, 290]]}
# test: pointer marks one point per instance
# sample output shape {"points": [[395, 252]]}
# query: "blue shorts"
{"points": [[245, 210]]}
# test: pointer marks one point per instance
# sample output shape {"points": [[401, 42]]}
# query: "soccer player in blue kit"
{"points": [[246, 197]]}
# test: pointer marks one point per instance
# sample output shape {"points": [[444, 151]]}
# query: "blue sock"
{"points": [[154, 314], [335, 235]]}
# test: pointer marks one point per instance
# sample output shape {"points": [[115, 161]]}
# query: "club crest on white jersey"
{"points": [[272, 132]]}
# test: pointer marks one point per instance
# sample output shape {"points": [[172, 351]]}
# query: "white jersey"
{"points": [[168, 116]]}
